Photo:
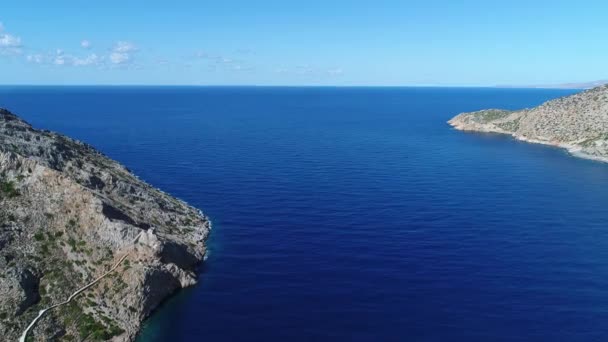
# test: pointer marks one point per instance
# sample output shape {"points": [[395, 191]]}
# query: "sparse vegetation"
{"points": [[87, 326], [45, 234], [578, 123], [510, 126], [489, 115], [8, 189]]}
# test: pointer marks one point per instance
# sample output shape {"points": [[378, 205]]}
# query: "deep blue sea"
{"points": [[357, 214]]}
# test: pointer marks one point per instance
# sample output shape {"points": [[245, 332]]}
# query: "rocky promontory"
{"points": [[73, 219], [578, 123]]}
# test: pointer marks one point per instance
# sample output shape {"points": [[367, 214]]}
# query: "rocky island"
{"points": [[87, 250], [578, 123]]}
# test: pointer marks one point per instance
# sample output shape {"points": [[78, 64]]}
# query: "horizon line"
{"points": [[293, 86]]}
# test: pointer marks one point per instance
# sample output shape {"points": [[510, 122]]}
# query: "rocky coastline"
{"points": [[577, 123], [72, 219]]}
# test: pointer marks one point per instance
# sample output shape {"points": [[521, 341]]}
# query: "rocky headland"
{"points": [[578, 123], [79, 233]]}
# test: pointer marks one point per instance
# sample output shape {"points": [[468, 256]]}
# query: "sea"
{"points": [[357, 214]]}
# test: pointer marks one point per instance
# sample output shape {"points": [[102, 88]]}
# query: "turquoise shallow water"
{"points": [[357, 214]]}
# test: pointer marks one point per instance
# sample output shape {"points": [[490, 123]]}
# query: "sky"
{"points": [[313, 42]]}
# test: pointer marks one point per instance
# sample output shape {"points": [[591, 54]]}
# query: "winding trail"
{"points": [[75, 294]]}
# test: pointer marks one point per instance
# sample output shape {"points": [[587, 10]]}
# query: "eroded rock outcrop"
{"points": [[67, 214], [578, 123]]}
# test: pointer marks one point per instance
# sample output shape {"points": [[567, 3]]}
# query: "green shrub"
{"points": [[45, 249], [8, 189]]}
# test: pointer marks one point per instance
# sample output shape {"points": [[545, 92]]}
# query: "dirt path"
{"points": [[74, 295]]}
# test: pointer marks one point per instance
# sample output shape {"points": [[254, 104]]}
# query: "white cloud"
{"points": [[35, 58], [304, 69], [335, 72], [124, 47], [9, 44], [119, 58], [9, 41], [122, 52], [60, 58], [218, 62], [91, 59], [119, 54], [85, 44]]}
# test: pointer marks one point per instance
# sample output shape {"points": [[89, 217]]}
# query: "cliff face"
{"points": [[578, 123], [67, 215]]}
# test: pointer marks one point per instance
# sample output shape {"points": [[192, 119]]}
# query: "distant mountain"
{"points": [[578, 123], [574, 85]]}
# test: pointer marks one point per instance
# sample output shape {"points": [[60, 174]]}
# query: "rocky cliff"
{"points": [[578, 123], [68, 214]]}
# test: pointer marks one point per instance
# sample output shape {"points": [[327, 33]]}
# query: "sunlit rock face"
{"points": [[67, 215], [578, 123]]}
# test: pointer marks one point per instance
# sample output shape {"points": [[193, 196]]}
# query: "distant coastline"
{"points": [[575, 85], [572, 149], [577, 123]]}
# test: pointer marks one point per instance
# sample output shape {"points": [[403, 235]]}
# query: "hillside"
{"points": [[68, 215], [578, 123]]}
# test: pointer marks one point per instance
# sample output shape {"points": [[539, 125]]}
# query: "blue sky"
{"points": [[310, 42]]}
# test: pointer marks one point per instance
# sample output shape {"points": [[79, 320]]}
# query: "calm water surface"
{"points": [[357, 214]]}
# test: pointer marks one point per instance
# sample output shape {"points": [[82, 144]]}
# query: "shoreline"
{"points": [[198, 271], [573, 150]]}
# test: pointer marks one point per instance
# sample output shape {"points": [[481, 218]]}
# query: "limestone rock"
{"points": [[578, 123], [67, 215]]}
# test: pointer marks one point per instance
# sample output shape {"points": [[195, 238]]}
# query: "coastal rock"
{"points": [[578, 123], [69, 215], [19, 286]]}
